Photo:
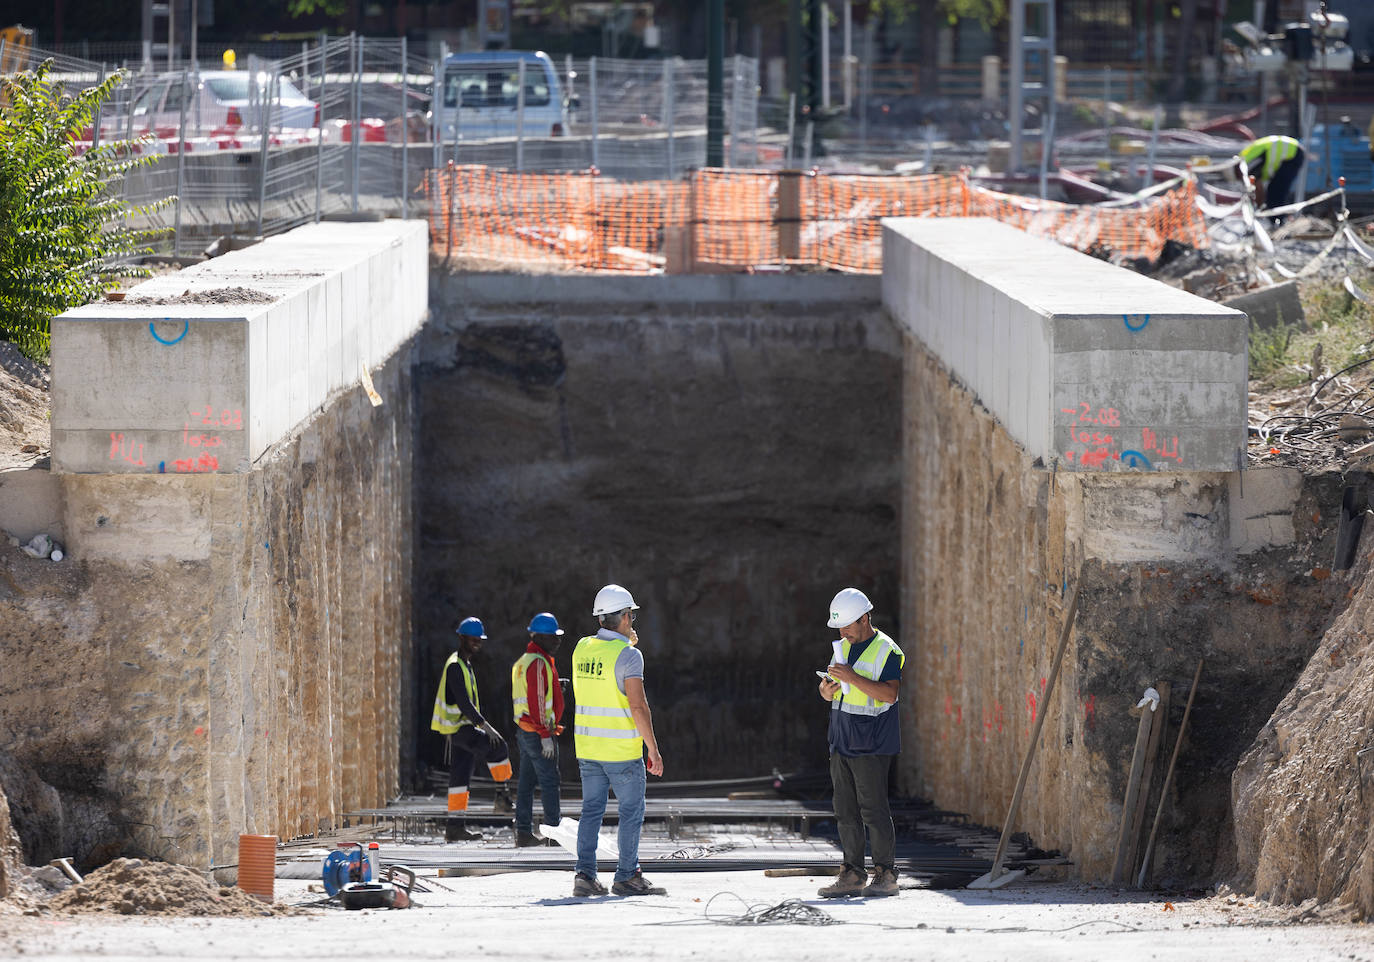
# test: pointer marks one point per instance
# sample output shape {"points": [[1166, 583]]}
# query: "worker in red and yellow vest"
{"points": [[1274, 162], [469, 736], [537, 700]]}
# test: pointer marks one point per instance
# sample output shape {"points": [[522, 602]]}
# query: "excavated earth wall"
{"points": [[1173, 568], [219, 653], [725, 448], [1303, 793]]}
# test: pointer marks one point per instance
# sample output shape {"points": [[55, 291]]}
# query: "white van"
{"points": [[488, 84]]}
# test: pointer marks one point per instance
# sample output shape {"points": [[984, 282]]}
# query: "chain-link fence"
{"points": [[346, 126]]}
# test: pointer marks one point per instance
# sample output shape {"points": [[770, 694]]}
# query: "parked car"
{"points": [[488, 86], [222, 102]]}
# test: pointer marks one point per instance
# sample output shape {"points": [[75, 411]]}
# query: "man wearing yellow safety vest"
{"points": [[611, 729], [1274, 162], [537, 697], [861, 685], [468, 735]]}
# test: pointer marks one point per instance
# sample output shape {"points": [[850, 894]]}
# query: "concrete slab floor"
{"points": [[531, 915]]}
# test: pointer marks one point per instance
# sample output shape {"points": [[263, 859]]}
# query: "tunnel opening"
{"points": [[732, 461]]}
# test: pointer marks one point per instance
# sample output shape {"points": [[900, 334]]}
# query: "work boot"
{"points": [[850, 882], [637, 884], [526, 839], [884, 883], [503, 805], [584, 887], [456, 831]]}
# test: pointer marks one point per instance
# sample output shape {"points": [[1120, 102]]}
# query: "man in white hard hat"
{"points": [[612, 727], [861, 685]]}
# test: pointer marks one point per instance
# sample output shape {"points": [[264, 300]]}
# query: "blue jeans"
{"points": [[535, 767], [627, 780]]}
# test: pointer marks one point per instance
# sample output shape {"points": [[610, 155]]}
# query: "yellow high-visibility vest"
{"points": [[449, 718], [1275, 150], [603, 728], [870, 663], [518, 687]]}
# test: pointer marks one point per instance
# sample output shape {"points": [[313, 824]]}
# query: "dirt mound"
{"points": [[130, 886], [1302, 807], [24, 427], [214, 295]]}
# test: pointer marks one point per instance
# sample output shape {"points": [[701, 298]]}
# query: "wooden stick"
{"points": [[1168, 778], [996, 871], [1157, 725]]}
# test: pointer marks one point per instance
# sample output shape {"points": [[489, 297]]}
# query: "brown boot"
{"points": [[850, 883], [884, 883]]}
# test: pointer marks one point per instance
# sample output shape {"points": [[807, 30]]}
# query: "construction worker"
{"points": [[468, 735], [1274, 162], [861, 685], [537, 694], [611, 729]]}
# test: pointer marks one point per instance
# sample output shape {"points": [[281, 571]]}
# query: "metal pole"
{"points": [[715, 82], [1154, 142], [791, 126], [591, 92], [100, 109], [848, 75], [668, 110], [436, 106], [806, 143], [823, 32], [405, 132], [171, 34], [520, 118], [356, 142], [866, 85], [181, 168], [319, 131], [1016, 88], [733, 157], [195, 60], [266, 114]]}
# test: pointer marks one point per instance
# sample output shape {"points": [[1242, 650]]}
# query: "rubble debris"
{"points": [[130, 886]]}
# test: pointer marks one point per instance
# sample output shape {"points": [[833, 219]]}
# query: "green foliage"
{"points": [[986, 12], [63, 227], [306, 8], [1269, 348]]}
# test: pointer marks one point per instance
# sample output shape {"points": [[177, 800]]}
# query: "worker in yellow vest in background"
{"points": [[1274, 162], [537, 702], [612, 728], [469, 735], [861, 685]]}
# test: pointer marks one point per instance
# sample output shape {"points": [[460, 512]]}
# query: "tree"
{"points": [[64, 237], [930, 16]]}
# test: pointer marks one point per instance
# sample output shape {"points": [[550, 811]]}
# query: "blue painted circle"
{"points": [[1135, 327], [1135, 456], [185, 326]]}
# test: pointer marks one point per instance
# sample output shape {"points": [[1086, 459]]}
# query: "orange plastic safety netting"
{"points": [[842, 214], [1135, 231], [743, 219]]}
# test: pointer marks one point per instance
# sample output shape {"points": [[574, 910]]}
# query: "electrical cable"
{"points": [[789, 912]]}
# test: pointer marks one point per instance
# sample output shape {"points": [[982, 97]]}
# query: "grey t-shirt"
{"points": [[629, 663]]}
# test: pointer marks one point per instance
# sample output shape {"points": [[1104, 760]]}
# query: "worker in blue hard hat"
{"points": [[468, 734], [1274, 162], [537, 697]]}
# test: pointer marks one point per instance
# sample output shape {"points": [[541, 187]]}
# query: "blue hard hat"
{"points": [[473, 627], [544, 624]]}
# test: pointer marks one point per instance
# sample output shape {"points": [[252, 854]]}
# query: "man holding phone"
{"points": [[861, 685]]}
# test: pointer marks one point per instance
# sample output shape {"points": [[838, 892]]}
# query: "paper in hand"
{"points": [[838, 645]]}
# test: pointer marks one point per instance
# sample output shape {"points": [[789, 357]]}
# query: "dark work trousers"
{"points": [[861, 802], [534, 767], [468, 745], [1280, 189]]}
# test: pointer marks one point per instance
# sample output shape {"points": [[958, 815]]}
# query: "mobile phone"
{"points": [[825, 675]]}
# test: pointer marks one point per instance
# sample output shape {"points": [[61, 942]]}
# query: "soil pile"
{"points": [[25, 430], [130, 886], [214, 295], [11, 855], [1303, 809]]}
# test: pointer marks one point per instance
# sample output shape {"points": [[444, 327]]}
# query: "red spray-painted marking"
{"points": [[1030, 704], [1090, 712]]}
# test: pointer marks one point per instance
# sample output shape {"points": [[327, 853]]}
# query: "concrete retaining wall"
{"points": [[1173, 567], [203, 370], [224, 651], [1086, 365]]}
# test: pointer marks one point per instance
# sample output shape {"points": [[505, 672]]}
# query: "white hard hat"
{"points": [[847, 607], [611, 599]]}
